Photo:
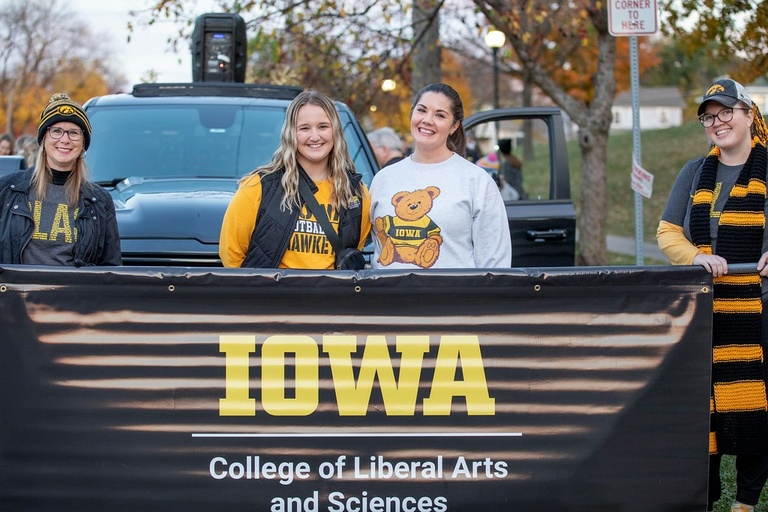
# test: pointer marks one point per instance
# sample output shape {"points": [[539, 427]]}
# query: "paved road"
{"points": [[652, 255]]}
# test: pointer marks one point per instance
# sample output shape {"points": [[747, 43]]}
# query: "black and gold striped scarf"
{"points": [[738, 404]]}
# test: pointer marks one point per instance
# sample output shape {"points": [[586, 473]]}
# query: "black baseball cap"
{"points": [[726, 91]]}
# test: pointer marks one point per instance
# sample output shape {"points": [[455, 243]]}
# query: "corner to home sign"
{"points": [[632, 17], [291, 391]]}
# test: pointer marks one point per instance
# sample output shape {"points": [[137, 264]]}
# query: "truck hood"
{"points": [[172, 208]]}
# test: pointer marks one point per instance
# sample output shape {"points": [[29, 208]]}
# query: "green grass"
{"points": [[663, 154], [728, 479]]}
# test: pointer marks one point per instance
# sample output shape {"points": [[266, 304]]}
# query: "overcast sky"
{"points": [[148, 48]]}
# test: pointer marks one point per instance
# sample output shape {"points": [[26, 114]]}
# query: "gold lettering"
{"points": [[353, 395], [273, 375], [60, 225], [237, 401], [455, 351], [37, 212], [399, 396]]}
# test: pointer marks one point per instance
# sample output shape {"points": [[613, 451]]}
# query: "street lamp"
{"points": [[495, 39], [388, 85]]}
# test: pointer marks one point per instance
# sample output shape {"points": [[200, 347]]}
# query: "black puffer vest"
{"points": [[274, 226]]}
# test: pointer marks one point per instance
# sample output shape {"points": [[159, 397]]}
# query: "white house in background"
{"points": [[759, 94], [660, 107]]}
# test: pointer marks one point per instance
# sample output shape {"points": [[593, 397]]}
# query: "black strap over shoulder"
{"points": [[320, 215]]}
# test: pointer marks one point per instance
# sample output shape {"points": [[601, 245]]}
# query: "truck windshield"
{"points": [[225, 141]]}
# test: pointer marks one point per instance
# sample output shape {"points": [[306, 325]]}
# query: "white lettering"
{"points": [[253, 469]]}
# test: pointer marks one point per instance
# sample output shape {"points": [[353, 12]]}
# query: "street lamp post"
{"points": [[495, 39], [388, 85]]}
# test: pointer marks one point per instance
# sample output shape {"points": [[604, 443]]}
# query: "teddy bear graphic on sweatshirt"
{"points": [[410, 236]]}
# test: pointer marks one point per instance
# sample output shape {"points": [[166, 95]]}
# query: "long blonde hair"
{"points": [[339, 162]]}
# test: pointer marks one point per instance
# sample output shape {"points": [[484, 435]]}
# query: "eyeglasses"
{"points": [[57, 133], [724, 116]]}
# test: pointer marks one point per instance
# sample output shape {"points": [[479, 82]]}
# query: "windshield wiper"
{"points": [[110, 183]]}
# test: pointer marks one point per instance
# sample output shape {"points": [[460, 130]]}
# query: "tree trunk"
{"points": [[426, 47], [593, 142], [592, 116], [9, 104], [527, 124]]}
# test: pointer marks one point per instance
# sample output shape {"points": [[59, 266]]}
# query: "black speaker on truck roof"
{"points": [[219, 48]]}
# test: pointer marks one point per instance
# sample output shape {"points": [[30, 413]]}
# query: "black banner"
{"points": [[215, 389]]}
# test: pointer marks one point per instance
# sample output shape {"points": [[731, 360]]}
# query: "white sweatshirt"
{"points": [[444, 215]]}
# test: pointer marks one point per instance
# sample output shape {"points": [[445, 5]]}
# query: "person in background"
{"points": [[267, 224], [473, 151], [490, 163], [6, 144], [28, 147], [435, 209], [387, 146], [508, 192], [512, 167], [715, 216], [51, 214]]}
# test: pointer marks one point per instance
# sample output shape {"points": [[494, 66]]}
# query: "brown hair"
{"points": [[457, 141]]}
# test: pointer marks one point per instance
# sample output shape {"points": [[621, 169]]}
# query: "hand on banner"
{"points": [[715, 265], [762, 264]]}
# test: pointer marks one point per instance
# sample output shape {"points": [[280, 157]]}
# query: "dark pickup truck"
{"points": [[171, 156]]}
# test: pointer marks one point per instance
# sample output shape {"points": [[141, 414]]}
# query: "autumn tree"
{"points": [[729, 33], [342, 48], [426, 43], [547, 38], [564, 49], [45, 48], [687, 69]]}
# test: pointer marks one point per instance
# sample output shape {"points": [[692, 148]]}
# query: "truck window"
{"points": [[534, 156], [527, 166], [199, 140], [356, 150], [193, 140]]}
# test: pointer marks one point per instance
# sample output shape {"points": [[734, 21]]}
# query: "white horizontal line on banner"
{"points": [[369, 434]]}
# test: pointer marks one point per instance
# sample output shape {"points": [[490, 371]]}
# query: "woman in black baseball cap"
{"points": [[51, 214], [716, 216], [725, 92]]}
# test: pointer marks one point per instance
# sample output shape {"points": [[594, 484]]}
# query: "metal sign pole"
{"points": [[636, 148], [631, 19]]}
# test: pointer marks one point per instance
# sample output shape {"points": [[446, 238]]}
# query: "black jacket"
{"points": [[274, 226], [98, 240]]}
